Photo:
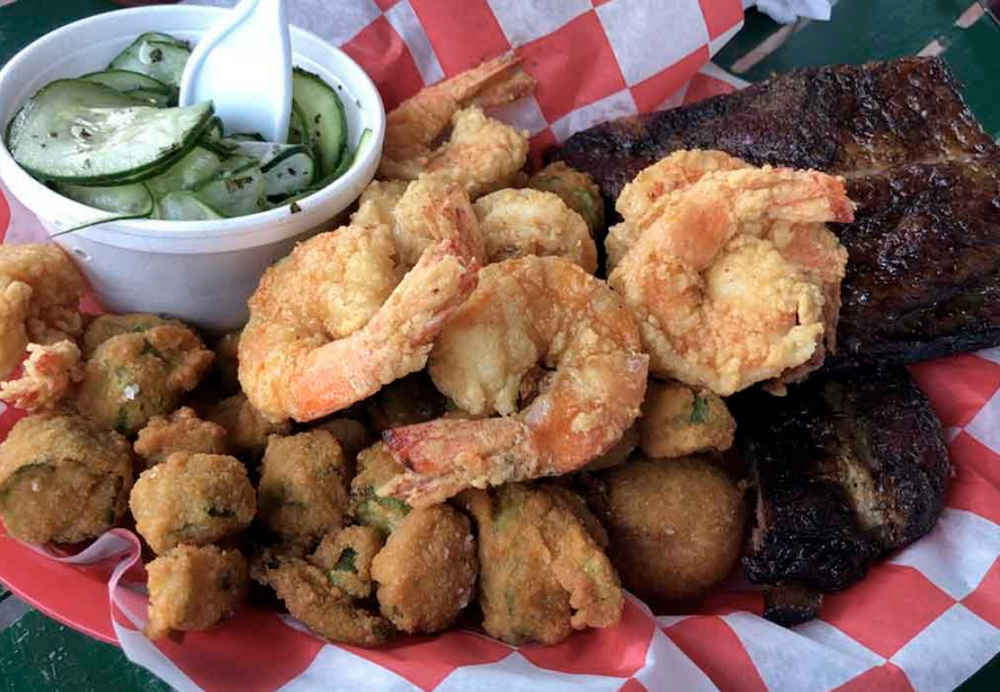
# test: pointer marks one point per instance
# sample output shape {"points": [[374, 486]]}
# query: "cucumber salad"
{"points": [[115, 140]]}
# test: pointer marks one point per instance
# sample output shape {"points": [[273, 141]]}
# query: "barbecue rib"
{"points": [[846, 469], [923, 279]]}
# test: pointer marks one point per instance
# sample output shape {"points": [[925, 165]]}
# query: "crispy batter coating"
{"points": [[49, 374], [678, 420], [375, 468], [578, 190], [248, 429], [541, 574], [411, 399], [194, 587], [192, 498], [104, 327], [62, 480], [181, 431], [676, 527], [134, 376], [347, 555], [303, 486], [40, 293], [619, 452], [426, 573], [312, 597], [227, 363]]}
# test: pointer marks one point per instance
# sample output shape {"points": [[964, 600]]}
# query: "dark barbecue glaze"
{"points": [[845, 469], [924, 271]]}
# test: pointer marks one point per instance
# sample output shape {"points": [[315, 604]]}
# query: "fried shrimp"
{"points": [[482, 153], [516, 223], [578, 190], [332, 323], [40, 293], [541, 573], [49, 374], [717, 301], [421, 214], [525, 312]]}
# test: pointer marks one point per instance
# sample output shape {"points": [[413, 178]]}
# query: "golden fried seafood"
{"points": [[103, 327], [578, 190], [49, 374], [227, 363], [426, 572], [541, 573], [515, 223], [376, 467], [329, 325], [62, 480], [347, 556], [525, 312], [619, 453], [181, 431], [247, 429], [192, 498], [675, 526], [134, 376], [481, 153], [40, 293], [678, 420], [422, 213], [312, 595], [194, 587], [411, 399], [303, 486], [717, 301]]}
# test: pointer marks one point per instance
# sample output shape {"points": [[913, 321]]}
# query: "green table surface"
{"points": [[37, 653]]}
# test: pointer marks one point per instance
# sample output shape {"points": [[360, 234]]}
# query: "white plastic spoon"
{"points": [[244, 65]]}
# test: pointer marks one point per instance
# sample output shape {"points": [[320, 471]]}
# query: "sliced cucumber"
{"points": [[214, 141], [323, 117], [159, 59], [185, 206], [126, 81], [236, 164], [81, 132], [238, 193], [289, 173], [297, 132], [248, 137], [134, 200], [164, 38], [196, 167]]}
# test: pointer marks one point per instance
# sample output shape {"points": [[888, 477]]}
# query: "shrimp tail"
{"points": [[395, 343]]}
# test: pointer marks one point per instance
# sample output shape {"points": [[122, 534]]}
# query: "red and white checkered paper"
{"points": [[925, 619]]}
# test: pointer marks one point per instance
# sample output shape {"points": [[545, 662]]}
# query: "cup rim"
{"points": [[15, 176]]}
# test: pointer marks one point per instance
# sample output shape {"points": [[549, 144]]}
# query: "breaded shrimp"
{"points": [[49, 374], [40, 293], [329, 324], [533, 310], [483, 154], [516, 223], [717, 302]]}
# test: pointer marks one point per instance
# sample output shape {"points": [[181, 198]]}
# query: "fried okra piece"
{"points": [[352, 435], [541, 573], [375, 468], [318, 595], [192, 498], [346, 556], [62, 479], [426, 572], [247, 428], [104, 327], [577, 189], [676, 526], [194, 587], [678, 420], [181, 431], [303, 486], [227, 363], [132, 377]]}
